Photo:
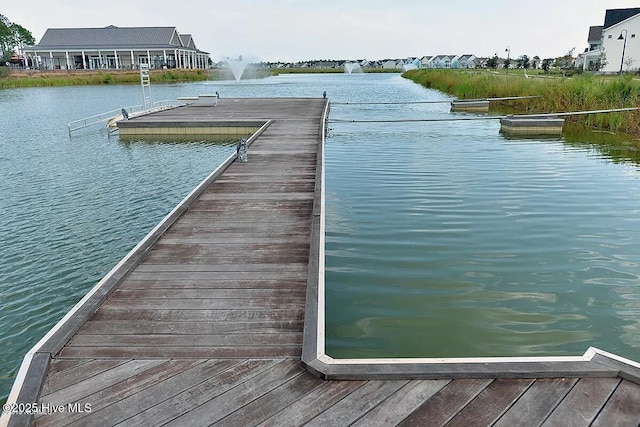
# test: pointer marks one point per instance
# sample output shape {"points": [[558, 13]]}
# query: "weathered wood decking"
{"points": [[207, 327]]}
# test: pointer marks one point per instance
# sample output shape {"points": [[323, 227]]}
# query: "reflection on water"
{"points": [[452, 240], [178, 139]]}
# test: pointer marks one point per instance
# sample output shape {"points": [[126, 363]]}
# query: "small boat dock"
{"points": [[217, 318]]}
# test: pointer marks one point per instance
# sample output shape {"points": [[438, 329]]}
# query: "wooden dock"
{"points": [[215, 318]]}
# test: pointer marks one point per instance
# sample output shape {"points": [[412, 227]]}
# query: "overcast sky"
{"points": [[288, 30]]}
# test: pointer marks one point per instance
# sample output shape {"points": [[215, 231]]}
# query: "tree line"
{"points": [[524, 61], [13, 37]]}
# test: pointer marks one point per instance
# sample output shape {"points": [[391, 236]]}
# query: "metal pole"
{"points": [[508, 49], [624, 46]]}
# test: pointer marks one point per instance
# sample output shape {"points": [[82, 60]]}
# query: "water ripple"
{"points": [[512, 247]]}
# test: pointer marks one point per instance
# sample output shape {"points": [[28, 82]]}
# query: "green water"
{"points": [[452, 240]]}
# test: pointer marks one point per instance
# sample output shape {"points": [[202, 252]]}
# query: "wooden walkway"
{"points": [[205, 327]]}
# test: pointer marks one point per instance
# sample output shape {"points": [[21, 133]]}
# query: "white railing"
{"points": [[135, 110]]}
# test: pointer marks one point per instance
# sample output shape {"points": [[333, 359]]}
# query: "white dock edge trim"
{"points": [[593, 351], [454, 360], [17, 386], [26, 362], [321, 243]]}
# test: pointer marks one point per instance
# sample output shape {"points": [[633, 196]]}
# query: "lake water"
{"points": [[443, 239]]}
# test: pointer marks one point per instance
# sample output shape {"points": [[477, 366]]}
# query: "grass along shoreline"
{"points": [[31, 78], [22, 79], [578, 93]]}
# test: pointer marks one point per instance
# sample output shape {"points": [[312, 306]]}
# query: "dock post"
{"points": [[242, 151]]}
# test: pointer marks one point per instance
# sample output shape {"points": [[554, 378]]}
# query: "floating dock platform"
{"points": [[532, 125], [195, 116], [217, 318], [472, 105]]}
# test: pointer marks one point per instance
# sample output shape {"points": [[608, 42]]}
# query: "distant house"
{"points": [[442, 61], [329, 64], [621, 27], [411, 64], [595, 37], [463, 61], [620, 32], [116, 48], [478, 62], [424, 61], [391, 64], [437, 62], [592, 55]]}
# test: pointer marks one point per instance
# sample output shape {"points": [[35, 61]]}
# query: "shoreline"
{"points": [[554, 95], [13, 79], [21, 78]]}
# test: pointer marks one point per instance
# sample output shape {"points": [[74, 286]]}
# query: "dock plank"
{"points": [[446, 403], [538, 402], [211, 284], [108, 319], [583, 403], [177, 402], [272, 402], [129, 409], [356, 404], [210, 303], [175, 352], [313, 403], [401, 404], [225, 293], [76, 374], [122, 390], [183, 340], [226, 403], [79, 390], [491, 403], [622, 408]]}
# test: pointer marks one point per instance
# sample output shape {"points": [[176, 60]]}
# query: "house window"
{"points": [[633, 36], [610, 36]]}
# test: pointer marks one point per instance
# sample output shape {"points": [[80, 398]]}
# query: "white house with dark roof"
{"points": [[464, 61], [619, 42], [621, 31], [116, 48], [442, 61]]}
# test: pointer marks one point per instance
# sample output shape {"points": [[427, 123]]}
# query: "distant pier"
{"points": [[217, 317]]}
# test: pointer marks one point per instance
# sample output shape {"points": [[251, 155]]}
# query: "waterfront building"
{"points": [[115, 48], [616, 44]]}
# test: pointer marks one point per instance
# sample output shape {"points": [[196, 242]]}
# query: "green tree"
{"points": [[523, 62], [546, 64], [5, 36], [13, 36], [22, 36], [492, 63]]}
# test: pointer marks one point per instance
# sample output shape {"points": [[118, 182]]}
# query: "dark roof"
{"points": [[615, 16], [595, 33], [187, 41], [112, 37]]}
